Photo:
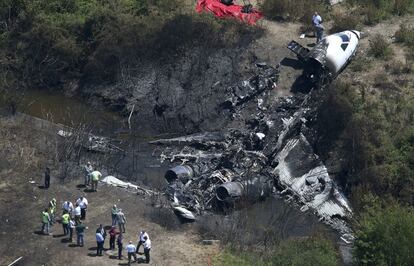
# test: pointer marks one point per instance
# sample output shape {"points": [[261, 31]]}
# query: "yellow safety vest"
{"points": [[65, 218], [52, 206], [45, 217], [95, 176]]}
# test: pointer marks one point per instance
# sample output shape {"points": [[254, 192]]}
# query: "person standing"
{"points": [[120, 242], [77, 213], [52, 210], [80, 234], [141, 239], [47, 177], [88, 170], [71, 228], [83, 204], [131, 252], [45, 222], [67, 206], [147, 249], [317, 24], [121, 220], [102, 231], [112, 235], [114, 211], [95, 175], [99, 243], [65, 223]]}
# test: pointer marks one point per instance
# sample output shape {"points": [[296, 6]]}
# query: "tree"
{"points": [[385, 236]]}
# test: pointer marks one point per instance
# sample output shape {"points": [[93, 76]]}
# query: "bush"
{"points": [[303, 251], [405, 35], [375, 11], [403, 7], [360, 63], [49, 43], [398, 68], [343, 22], [379, 47], [286, 10], [385, 236]]}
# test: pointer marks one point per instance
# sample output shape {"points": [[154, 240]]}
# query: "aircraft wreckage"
{"points": [[326, 60], [269, 151]]}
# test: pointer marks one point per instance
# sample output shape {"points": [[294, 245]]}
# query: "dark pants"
{"points": [[83, 214], [80, 239], [121, 227], [139, 244], [47, 181], [147, 254], [65, 229], [112, 242], [113, 219], [119, 251], [70, 234], [99, 248], [319, 34], [94, 185], [45, 228], [131, 254]]}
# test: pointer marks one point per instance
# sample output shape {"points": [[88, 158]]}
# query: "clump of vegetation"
{"points": [[360, 63], [377, 139], [374, 11], [385, 236], [304, 251], [405, 35], [396, 67], [343, 22], [49, 43], [286, 10], [379, 47]]}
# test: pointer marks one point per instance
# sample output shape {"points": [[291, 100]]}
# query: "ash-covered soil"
{"points": [[26, 147]]}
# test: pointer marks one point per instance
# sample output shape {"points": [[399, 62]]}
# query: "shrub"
{"points": [[379, 47], [375, 11], [405, 35], [402, 7], [299, 251], [397, 67], [360, 63], [286, 10], [343, 22], [385, 236]]}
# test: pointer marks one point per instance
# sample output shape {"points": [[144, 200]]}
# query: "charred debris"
{"points": [[269, 153]]}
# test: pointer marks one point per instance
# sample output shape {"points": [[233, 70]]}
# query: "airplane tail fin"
{"points": [[298, 49]]}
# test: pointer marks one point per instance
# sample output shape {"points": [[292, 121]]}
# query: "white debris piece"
{"points": [[301, 171], [184, 213], [113, 181], [65, 134], [260, 135]]}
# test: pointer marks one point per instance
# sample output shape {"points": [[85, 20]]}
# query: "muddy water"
{"points": [[57, 108]]}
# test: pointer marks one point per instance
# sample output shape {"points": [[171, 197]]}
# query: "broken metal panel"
{"points": [[305, 175], [241, 164]]}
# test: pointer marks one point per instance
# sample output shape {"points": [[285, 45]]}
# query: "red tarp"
{"points": [[222, 11]]}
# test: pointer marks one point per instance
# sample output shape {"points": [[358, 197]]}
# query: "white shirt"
{"points": [[142, 235], [147, 244], [72, 224], [83, 203], [131, 248], [68, 206], [77, 211]]}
